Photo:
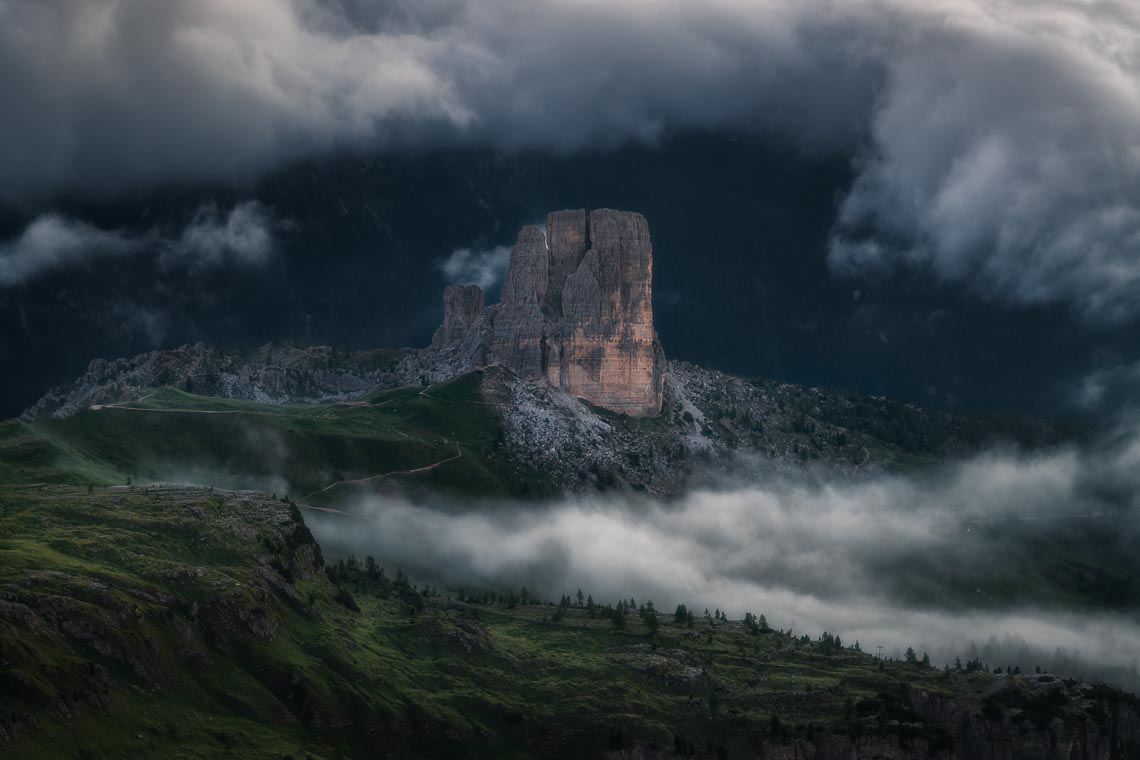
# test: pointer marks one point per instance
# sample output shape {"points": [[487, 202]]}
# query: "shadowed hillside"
{"points": [[190, 622]]}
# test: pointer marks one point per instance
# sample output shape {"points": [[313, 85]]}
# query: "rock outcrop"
{"points": [[462, 306], [576, 310], [273, 373]]}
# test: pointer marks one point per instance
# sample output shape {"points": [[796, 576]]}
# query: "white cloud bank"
{"points": [[485, 267], [925, 561], [242, 237], [53, 242]]}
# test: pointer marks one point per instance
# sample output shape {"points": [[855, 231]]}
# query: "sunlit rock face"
{"points": [[576, 310]]}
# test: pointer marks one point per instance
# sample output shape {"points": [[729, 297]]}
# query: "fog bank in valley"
{"points": [[959, 561]]}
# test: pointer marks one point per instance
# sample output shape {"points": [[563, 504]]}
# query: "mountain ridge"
{"points": [[709, 420], [573, 366]]}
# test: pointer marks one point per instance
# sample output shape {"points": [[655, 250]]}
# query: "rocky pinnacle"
{"points": [[576, 310]]}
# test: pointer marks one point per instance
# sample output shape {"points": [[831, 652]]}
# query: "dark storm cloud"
{"points": [[1005, 155], [102, 95], [996, 141], [243, 236]]}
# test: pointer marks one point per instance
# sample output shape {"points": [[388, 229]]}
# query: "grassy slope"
{"points": [[132, 623], [302, 448]]}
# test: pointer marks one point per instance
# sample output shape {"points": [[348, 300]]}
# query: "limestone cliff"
{"points": [[463, 304], [576, 310]]}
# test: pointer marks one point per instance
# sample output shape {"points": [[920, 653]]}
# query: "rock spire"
{"points": [[576, 310]]}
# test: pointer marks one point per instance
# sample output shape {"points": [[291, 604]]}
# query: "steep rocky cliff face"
{"points": [[576, 310], [463, 305]]}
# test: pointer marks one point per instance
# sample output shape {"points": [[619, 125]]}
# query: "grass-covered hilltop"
{"points": [[321, 451], [193, 622], [140, 617]]}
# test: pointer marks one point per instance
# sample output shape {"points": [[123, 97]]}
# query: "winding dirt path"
{"points": [[121, 404], [124, 406], [369, 479], [98, 407], [356, 403], [425, 394]]}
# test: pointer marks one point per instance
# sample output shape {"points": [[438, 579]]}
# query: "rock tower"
{"points": [[576, 310]]}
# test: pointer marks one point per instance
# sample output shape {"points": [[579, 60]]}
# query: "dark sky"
{"points": [[929, 198], [740, 231]]}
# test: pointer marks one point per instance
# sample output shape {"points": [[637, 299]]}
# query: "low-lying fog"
{"points": [[970, 559]]}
